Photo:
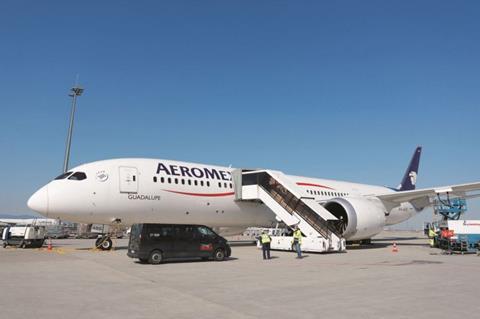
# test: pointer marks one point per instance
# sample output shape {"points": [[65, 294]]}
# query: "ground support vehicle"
{"points": [[24, 236], [154, 243], [282, 240], [460, 236]]}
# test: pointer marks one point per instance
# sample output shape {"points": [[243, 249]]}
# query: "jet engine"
{"points": [[358, 218]]}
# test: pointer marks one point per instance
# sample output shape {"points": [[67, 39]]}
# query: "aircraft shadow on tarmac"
{"points": [[397, 238], [382, 244], [187, 260], [90, 248]]}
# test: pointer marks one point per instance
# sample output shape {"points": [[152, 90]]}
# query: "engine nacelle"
{"points": [[360, 218]]}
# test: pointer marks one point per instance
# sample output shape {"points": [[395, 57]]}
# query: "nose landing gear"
{"points": [[104, 242]]}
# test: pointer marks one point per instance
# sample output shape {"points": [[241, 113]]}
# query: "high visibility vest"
{"points": [[431, 233], [265, 239], [297, 235]]}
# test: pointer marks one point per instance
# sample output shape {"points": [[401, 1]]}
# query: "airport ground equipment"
{"points": [[284, 198], [154, 243], [450, 209], [57, 231], [444, 209], [459, 236], [24, 236]]}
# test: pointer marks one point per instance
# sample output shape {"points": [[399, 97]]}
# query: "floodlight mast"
{"points": [[74, 92]]}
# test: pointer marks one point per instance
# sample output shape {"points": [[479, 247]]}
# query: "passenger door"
{"points": [[182, 242], [160, 237], [205, 241], [128, 177]]}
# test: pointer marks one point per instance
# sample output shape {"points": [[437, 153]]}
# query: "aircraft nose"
{"points": [[39, 201]]}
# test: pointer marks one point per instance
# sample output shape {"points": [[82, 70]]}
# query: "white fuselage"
{"points": [[162, 191]]}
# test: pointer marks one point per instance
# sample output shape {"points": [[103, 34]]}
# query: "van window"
{"points": [[206, 231], [136, 230], [159, 231]]}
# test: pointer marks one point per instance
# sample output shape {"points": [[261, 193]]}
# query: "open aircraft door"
{"points": [[128, 179]]}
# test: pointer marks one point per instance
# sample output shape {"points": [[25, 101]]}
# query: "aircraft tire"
{"points": [[106, 244], [156, 257]]}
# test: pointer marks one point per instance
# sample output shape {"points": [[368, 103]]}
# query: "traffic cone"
{"points": [[49, 245], [395, 249]]}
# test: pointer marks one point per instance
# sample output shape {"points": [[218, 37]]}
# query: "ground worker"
{"points": [[432, 234], [265, 240], [297, 241]]}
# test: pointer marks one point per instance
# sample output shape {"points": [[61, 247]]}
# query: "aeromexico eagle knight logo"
{"points": [[102, 176], [413, 177]]}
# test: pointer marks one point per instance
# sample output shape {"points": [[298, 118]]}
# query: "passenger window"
{"points": [[189, 182], [231, 186], [225, 185], [176, 180], [78, 176], [195, 182], [162, 179], [188, 232], [201, 183], [154, 179], [183, 181], [169, 180], [63, 176], [219, 184], [208, 183], [166, 232]]}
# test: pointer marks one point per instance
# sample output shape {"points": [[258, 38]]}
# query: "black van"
{"points": [[153, 243]]}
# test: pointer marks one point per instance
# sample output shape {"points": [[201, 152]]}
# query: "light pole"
{"points": [[74, 92]]}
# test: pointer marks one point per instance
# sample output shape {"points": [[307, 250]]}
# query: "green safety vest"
{"points": [[431, 233], [297, 235], [265, 239]]}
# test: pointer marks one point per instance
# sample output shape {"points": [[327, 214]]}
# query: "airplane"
{"points": [[139, 190]]}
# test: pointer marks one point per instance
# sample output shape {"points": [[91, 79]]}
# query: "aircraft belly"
{"points": [[400, 214], [185, 210]]}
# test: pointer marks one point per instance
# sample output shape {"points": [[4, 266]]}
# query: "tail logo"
{"points": [[413, 177]]}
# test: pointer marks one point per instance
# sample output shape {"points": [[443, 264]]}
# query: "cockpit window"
{"points": [[78, 176], [63, 176]]}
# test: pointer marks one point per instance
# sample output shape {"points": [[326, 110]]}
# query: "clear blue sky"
{"points": [[342, 89]]}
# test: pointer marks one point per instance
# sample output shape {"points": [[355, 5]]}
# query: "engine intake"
{"points": [[358, 218]]}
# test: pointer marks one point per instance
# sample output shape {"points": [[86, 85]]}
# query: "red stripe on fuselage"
{"points": [[314, 185], [201, 194]]}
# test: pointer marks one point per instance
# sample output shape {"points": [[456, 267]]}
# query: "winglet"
{"points": [[410, 178]]}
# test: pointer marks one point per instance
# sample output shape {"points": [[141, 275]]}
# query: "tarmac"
{"points": [[74, 281]]}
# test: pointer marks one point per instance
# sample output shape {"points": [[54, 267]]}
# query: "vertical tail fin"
{"points": [[410, 178]]}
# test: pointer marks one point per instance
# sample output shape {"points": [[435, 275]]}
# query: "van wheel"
{"points": [[155, 257], [219, 255]]}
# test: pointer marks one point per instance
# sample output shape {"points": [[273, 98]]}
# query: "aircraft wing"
{"points": [[421, 198]]}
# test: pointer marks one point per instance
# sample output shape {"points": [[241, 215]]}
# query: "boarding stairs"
{"points": [[285, 199]]}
